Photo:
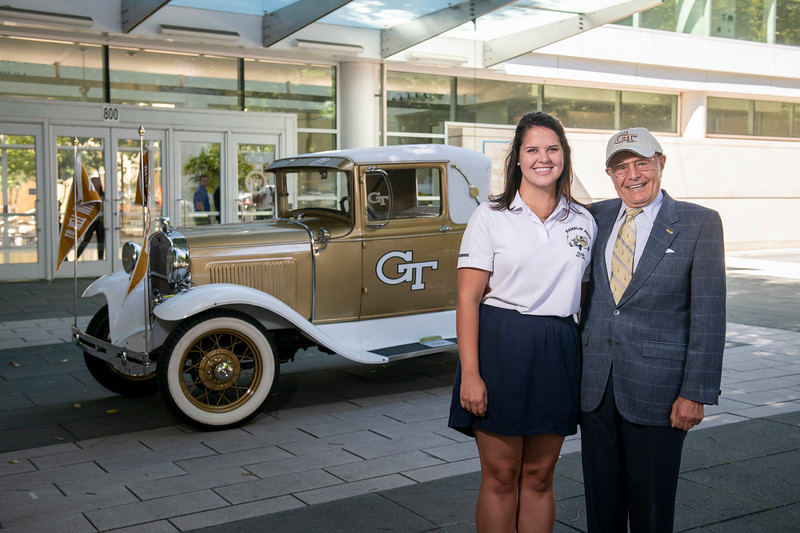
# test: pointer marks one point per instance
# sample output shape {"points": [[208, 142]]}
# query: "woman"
{"points": [[523, 257]]}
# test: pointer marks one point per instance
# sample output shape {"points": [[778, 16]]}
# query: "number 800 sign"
{"points": [[110, 114]]}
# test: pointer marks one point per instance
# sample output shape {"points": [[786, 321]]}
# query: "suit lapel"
{"points": [[661, 237], [605, 222]]}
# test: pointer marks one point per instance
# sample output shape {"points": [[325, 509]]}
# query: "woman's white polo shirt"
{"points": [[536, 267]]}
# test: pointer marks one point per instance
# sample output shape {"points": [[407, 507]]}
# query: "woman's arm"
{"points": [[471, 286]]}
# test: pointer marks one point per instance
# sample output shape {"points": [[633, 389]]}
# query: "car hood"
{"points": [[276, 231]]}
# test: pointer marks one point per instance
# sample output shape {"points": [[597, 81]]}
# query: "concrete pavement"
{"points": [[351, 448]]}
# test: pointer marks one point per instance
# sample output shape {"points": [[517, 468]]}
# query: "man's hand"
{"points": [[686, 414]]}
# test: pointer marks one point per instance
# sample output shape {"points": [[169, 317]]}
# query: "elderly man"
{"points": [[653, 333]]}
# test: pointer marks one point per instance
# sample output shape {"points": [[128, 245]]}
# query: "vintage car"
{"points": [[360, 261]]}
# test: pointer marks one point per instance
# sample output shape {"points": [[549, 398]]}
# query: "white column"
{"points": [[693, 115], [359, 100]]}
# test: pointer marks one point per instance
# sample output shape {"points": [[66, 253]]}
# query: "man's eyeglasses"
{"points": [[643, 165]]}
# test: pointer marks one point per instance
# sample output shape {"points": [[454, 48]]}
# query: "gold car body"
{"points": [[361, 259]]}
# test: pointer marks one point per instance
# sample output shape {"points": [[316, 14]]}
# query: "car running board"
{"points": [[415, 349]]}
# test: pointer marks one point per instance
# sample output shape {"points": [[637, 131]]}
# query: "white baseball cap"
{"points": [[636, 140]]}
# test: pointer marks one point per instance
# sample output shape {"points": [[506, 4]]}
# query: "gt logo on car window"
{"points": [[409, 272], [377, 198]]}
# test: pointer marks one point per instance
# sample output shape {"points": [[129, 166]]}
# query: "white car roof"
{"points": [[466, 169]]}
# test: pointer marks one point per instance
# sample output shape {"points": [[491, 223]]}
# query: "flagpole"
{"points": [[145, 225], [76, 179]]}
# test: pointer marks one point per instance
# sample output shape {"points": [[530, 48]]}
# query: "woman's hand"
{"points": [[473, 395], [471, 286]]}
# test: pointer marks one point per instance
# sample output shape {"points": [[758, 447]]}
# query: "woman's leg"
{"points": [[537, 505], [501, 460]]}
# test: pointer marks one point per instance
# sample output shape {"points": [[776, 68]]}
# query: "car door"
{"points": [[409, 249]]}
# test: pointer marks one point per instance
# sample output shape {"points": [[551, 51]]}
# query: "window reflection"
{"points": [[418, 103], [128, 167], [256, 196], [306, 90], [733, 116], [51, 70], [92, 246], [787, 23], [18, 219], [199, 205], [173, 80], [580, 107], [739, 19], [729, 116], [657, 112]]}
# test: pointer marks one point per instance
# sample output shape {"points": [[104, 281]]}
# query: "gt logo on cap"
{"points": [[625, 137]]}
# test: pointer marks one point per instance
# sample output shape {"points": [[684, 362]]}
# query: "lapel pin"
{"points": [[669, 230]]}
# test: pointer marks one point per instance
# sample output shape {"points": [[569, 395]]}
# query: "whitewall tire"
{"points": [[217, 369]]}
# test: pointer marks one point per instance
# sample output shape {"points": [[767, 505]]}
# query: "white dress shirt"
{"points": [[644, 224]]}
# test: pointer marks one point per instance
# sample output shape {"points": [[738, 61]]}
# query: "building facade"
{"points": [[225, 92]]}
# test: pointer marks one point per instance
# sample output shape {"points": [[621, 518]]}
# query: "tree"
{"points": [[207, 163]]}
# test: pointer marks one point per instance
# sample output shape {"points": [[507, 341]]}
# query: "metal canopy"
{"points": [[409, 33], [285, 21], [516, 44], [502, 29], [134, 12]]}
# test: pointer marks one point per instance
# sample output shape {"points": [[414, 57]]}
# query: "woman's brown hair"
{"points": [[513, 172]]}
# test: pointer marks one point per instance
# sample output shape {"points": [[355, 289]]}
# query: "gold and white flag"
{"points": [[83, 207], [142, 198]]}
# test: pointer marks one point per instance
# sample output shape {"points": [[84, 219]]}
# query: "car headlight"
{"points": [[130, 254], [170, 270], [177, 264]]}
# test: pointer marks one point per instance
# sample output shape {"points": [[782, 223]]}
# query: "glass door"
{"points": [[99, 251], [255, 193], [95, 150], [200, 174], [222, 178], [20, 221], [128, 217]]}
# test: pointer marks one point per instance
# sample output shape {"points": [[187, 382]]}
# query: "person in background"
{"points": [[653, 330], [522, 261], [201, 200], [218, 202], [97, 227]]}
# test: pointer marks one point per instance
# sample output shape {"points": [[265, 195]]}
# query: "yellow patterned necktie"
{"points": [[622, 257]]}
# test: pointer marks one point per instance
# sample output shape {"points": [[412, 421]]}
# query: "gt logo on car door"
{"points": [[409, 271]]}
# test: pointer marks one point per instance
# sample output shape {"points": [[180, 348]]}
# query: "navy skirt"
{"points": [[531, 367]]}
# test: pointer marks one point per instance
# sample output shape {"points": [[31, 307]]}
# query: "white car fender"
{"points": [[126, 312], [205, 297]]}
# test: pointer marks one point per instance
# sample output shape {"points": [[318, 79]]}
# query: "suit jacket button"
{"points": [[616, 312], [610, 342]]}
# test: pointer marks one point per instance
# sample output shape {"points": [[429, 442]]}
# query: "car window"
{"points": [[325, 189], [404, 193]]}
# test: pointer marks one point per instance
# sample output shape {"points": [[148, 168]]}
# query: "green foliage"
{"points": [[788, 23], [207, 163]]}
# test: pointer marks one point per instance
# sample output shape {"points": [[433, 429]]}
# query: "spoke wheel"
{"points": [[115, 376], [221, 367]]}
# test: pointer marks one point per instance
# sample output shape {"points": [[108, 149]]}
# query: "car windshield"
{"points": [[317, 189]]}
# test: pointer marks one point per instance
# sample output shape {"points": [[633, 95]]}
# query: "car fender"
{"points": [[112, 286], [268, 310], [126, 311]]}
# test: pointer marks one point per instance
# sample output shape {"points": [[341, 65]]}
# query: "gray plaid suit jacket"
{"points": [[666, 336]]}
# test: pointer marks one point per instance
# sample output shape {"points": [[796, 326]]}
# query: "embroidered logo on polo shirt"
{"points": [[579, 238]]}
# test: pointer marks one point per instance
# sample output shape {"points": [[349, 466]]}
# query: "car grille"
{"points": [[276, 277]]}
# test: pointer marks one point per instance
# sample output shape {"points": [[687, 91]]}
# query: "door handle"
{"points": [[445, 228]]}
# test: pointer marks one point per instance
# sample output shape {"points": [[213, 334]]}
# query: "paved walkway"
{"points": [[352, 448]]}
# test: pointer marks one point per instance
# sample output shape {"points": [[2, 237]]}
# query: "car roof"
{"points": [[467, 169]]}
